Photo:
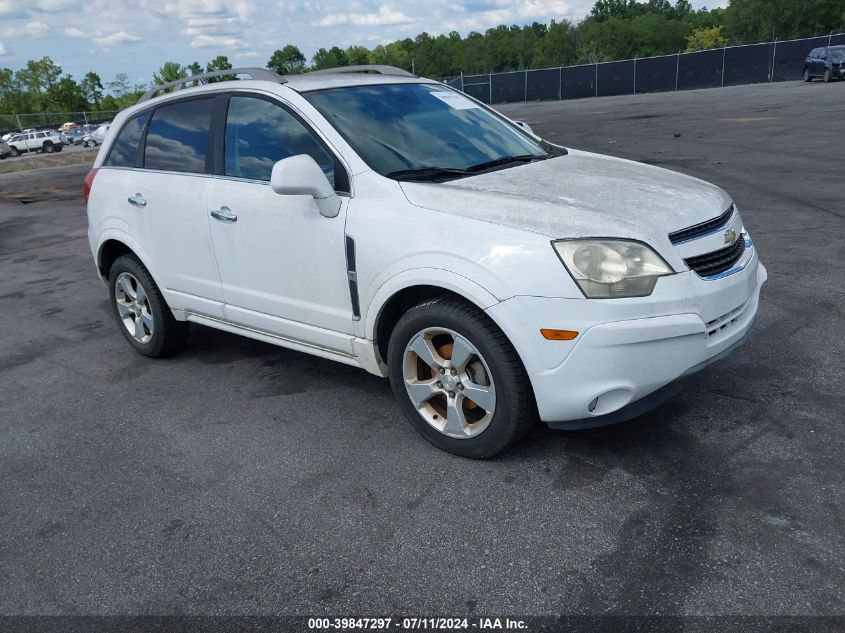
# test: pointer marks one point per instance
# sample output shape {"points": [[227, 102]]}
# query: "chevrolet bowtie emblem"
{"points": [[730, 236]]}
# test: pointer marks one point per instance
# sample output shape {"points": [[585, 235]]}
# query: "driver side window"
{"points": [[260, 133]]}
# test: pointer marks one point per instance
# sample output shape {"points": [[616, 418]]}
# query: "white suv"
{"points": [[391, 223]]}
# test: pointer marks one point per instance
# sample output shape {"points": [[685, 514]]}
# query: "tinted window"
{"points": [[124, 152], [178, 136], [260, 133]]}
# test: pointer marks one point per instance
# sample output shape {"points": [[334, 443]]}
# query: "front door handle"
{"points": [[224, 215], [138, 200]]}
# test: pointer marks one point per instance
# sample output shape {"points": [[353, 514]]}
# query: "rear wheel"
{"points": [[807, 76], [458, 379], [141, 312]]}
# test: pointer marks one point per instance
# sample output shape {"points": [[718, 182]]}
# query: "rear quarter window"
{"points": [[178, 137], [124, 152]]}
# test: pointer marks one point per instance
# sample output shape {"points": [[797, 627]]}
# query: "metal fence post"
{"points": [[597, 80], [526, 86], [560, 83], [635, 74], [85, 117], [677, 70], [490, 86], [829, 38], [724, 55], [462, 81], [774, 61], [18, 119]]}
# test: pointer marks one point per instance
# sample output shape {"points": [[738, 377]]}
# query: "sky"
{"points": [[136, 36]]}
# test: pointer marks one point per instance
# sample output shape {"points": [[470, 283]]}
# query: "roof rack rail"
{"points": [[380, 69], [254, 73]]}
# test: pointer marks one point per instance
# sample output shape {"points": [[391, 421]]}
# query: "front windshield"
{"points": [[836, 53], [399, 129]]}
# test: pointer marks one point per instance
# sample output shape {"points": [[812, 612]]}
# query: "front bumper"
{"points": [[628, 349]]}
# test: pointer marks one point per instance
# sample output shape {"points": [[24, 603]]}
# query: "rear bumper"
{"points": [[618, 369]]}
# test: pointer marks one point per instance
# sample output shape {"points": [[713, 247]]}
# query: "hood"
{"points": [[580, 195]]}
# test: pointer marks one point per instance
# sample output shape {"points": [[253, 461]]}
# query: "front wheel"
{"points": [[142, 314], [14, 153], [827, 75], [49, 147], [807, 76], [458, 379]]}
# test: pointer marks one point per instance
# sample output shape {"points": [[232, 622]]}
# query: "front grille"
{"points": [[717, 262], [694, 232]]}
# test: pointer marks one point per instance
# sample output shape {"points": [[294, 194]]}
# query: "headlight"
{"points": [[606, 269]]}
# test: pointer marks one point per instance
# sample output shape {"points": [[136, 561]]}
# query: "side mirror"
{"points": [[525, 126], [301, 176]]}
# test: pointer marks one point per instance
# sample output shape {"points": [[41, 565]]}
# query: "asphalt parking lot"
{"points": [[240, 478]]}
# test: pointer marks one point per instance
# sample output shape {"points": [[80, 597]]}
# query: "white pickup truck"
{"points": [[45, 141]]}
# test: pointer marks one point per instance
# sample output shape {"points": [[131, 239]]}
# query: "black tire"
{"points": [[49, 147], [14, 153], [515, 411], [168, 334], [59, 147], [807, 76], [826, 75]]}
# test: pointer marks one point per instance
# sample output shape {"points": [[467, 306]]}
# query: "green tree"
{"points": [[357, 55], [221, 62], [170, 71], [331, 58], [705, 38], [288, 60], [92, 89], [754, 20]]}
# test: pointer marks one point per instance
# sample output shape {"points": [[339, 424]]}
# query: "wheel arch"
{"points": [[114, 244], [403, 291]]}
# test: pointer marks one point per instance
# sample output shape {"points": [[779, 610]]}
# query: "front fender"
{"points": [[428, 276]]}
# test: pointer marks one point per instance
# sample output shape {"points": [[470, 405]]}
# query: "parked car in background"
{"points": [[389, 222], [96, 137], [77, 134], [826, 62], [5, 150], [45, 141]]}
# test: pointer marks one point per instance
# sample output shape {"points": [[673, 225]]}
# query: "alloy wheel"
{"points": [[133, 306], [449, 383]]}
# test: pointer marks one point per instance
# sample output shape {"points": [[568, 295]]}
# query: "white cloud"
{"points": [[218, 41], [4, 52], [385, 16], [121, 37], [74, 32], [30, 29]]}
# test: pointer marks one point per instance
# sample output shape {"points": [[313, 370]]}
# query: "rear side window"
{"points": [[124, 152], [178, 136], [260, 133]]}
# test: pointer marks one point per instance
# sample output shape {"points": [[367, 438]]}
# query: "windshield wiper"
{"points": [[428, 173], [505, 160]]}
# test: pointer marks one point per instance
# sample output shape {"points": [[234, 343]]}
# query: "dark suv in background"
{"points": [[825, 62]]}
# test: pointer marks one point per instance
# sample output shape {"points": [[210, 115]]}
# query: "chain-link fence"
{"points": [[729, 66], [52, 120]]}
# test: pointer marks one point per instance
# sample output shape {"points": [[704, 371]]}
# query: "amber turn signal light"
{"points": [[559, 335]]}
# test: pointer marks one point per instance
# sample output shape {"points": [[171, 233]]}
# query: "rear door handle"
{"points": [[138, 200], [224, 215]]}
